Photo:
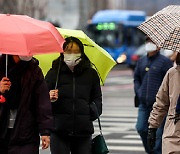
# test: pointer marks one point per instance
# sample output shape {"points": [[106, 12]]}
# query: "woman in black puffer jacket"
{"points": [[78, 88]]}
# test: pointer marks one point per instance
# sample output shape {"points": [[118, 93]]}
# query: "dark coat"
{"points": [[34, 115], [77, 90], [147, 82]]}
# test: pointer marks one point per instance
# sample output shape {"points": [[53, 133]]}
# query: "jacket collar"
{"points": [[79, 68], [177, 67], [154, 56]]}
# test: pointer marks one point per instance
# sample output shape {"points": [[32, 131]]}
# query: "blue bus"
{"points": [[116, 31]]}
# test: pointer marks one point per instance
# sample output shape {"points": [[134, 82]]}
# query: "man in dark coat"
{"points": [[148, 75], [26, 113]]}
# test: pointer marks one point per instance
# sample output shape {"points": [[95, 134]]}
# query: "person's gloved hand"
{"points": [[151, 138]]}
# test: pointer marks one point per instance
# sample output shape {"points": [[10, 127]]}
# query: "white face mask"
{"points": [[150, 47], [72, 59], [25, 58]]}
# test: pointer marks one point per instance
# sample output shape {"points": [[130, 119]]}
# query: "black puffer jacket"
{"points": [[76, 91]]}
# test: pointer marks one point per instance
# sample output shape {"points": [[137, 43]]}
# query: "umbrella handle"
{"points": [[6, 63], [57, 77], [56, 84]]}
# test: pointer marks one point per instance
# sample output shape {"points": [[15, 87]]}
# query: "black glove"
{"points": [[151, 138]]}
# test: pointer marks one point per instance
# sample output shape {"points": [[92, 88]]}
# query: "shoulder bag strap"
{"points": [[99, 122]]}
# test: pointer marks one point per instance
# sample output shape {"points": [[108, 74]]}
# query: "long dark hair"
{"points": [[71, 39], [84, 59], [178, 59]]}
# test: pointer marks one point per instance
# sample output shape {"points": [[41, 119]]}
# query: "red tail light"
{"points": [[135, 57]]}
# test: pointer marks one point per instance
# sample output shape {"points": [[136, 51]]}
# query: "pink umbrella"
{"points": [[23, 35]]}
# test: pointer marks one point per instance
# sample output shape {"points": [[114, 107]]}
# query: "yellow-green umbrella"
{"points": [[101, 59], [45, 61]]}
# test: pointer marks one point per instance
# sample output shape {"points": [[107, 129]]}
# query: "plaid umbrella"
{"points": [[163, 28]]}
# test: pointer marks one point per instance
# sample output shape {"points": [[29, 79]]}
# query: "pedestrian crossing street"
{"points": [[118, 126]]}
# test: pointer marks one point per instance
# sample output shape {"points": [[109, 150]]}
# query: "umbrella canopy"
{"points": [[23, 35], [163, 28], [101, 59]]}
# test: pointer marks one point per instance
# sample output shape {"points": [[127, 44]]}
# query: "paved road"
{"points": [[119, 115]]}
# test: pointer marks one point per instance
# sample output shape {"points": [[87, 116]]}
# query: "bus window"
{"points": [[106, 38], [134, 37], [138, 38], [116, 31]]}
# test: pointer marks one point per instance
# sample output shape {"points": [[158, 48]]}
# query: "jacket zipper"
{"points": [[147, 89], [73, 102], [149, 65]]}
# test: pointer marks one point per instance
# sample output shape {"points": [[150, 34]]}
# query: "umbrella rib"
{"points": [[53, 34], [98, 73], [164, 28], [88, 45], [149, 25], [21, 31], [49, 30], [43, 27], [58, 73]]}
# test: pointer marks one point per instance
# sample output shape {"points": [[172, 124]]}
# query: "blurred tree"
{"points": [[93, 8], [83, 13], [150, 6], [32, 8], [87, 8], [8, 6]]}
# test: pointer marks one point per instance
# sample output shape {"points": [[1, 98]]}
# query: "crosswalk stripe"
{"points": [[124, 130], [126, 148], [118, 119], [131, 136], [118, 141], [122, 80], [130, 125], [114, 114]]}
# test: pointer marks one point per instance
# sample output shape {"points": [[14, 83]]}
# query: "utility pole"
{"points": [[93, 8], [33, 8], [83, 13]]}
